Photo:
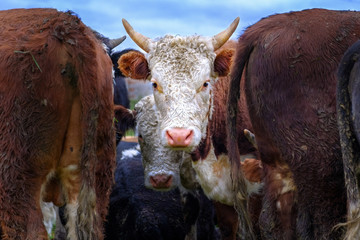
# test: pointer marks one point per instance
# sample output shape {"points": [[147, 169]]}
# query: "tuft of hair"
{"points": [[134, 65], [125, 117], [223, 62]]}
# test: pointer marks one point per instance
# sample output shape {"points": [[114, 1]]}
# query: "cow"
{"points": [[288, 63], [184, 71], [212, 171], [136, 212], [121, 95], [347, 103], [56, 123]]}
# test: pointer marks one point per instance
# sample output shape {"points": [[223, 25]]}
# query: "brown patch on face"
{"points": [[203, 149], [134, 65], [221, 163]]}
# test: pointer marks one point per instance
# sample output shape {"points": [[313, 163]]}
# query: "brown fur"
{"points": [[252, 169], [217, 134], [290, 62], [56, 108], [134, 65], [347, 98], [223, 61]]}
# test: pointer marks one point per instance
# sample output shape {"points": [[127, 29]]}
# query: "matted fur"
{"points": [[347, 108], [289, 62], [56, 117]]}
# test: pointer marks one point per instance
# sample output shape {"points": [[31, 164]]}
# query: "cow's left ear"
{"points": [[125, 118], [134, 65], [223, 61]]}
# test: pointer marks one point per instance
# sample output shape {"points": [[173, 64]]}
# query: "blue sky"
{"points": [[155, 18]]}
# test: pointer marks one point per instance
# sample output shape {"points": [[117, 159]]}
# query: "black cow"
{"points": [[348, 107], [137, 212]]}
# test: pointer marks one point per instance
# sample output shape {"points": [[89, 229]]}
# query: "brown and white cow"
{"points": [[290, 62], [184, 71], [209, 161], [57, 140], [348, 94]]}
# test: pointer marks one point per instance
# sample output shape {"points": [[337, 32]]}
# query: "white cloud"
{"points": [[186, 17]]}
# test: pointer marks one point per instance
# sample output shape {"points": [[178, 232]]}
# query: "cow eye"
{"points": [[156, 86], [204, 86]]}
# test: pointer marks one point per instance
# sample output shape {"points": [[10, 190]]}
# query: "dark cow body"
{"points": [[348, 99], [56, 123], [136, 212], [121, 94], [289, 63]]}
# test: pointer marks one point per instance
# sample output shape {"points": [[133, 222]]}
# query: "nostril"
{"points": [[168, 181], [169, 137], [153, 181], [189, 136]]}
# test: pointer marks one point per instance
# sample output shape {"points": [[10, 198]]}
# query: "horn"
{"points": [[221, 38], [141, 40], [116, 42]]}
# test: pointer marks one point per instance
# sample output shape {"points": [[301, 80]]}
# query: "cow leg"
{"points": [[191, 210], [227, 220], [277, 218], [20, 212]]}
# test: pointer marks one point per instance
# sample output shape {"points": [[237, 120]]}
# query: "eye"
{"points": [[204, 86], [156, 86]]}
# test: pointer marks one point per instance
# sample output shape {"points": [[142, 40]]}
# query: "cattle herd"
{"points": [[257, 138]]}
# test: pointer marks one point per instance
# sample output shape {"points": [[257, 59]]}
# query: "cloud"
{"points": [[186, 17]]}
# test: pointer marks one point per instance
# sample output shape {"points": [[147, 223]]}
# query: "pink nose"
{"points": [[161, 181], [179, 137]]}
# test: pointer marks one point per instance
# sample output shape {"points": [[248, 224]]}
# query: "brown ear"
{"points": [[134, 65], [223, 61], [125, 118]]}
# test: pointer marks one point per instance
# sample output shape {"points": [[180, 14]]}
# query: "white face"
{"points": [[159, 162], [182, 75]]}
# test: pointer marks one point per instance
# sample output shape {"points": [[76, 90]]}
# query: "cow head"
{"points": [[182, 70], [161, 165]]}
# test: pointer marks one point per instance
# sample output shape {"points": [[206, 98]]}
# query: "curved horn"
{"points": [[221, 38], [141, 40], [115, 42]]}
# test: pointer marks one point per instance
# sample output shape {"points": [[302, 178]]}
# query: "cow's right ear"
{"points": [[125, 118], [134, 65]]}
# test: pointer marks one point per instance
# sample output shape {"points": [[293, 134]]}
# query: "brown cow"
{"points": [[57, 140], [289, 62], [347, 98]]}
